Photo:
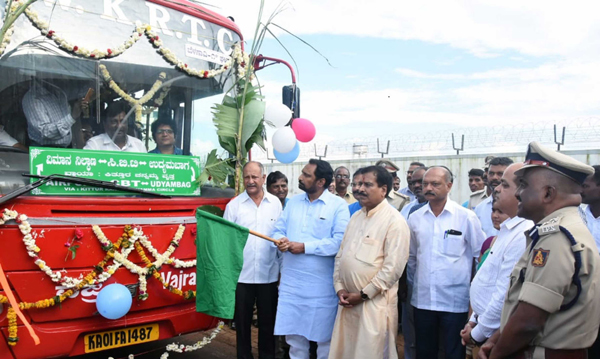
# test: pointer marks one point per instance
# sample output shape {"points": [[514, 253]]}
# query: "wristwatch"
{"points": [[363, 295], [475, 342]]}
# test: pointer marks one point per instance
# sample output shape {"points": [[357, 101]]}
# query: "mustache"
{"points": [[495, 183], [429, 192], [359, 194]]}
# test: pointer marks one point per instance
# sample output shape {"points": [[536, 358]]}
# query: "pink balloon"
{"points": [[304, 129]]}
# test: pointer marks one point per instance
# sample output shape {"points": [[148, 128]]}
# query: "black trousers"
{"points": [[265, 297], [427, 327]]}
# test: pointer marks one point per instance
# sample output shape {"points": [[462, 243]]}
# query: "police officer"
{"points": [[396, 199], [551, 309]]}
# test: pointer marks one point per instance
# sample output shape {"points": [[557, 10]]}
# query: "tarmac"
{"points": [[222, 346]]}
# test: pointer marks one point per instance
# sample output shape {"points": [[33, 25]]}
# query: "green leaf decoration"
{"points": [[227, 118], [215, 168]]}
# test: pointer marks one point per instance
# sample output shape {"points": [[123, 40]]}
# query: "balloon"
{"points": [[288, 157], [304, 129], [277, 114], [284, 140], [113, 301]]}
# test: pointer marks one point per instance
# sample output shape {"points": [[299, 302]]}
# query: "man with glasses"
{"points": [[342, 181], [445, 240], [163, 133]]}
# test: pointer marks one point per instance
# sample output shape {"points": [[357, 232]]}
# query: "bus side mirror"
{"points": [[291, 98]]}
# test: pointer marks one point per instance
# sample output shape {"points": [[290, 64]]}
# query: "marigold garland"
{"points": [[127, 242], [11, 315]]}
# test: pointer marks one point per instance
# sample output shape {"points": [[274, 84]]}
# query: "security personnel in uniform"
{"points": [[552, 308], [396, 199]]}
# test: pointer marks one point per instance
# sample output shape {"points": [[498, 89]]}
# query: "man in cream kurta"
{"points": [[371, 259]]}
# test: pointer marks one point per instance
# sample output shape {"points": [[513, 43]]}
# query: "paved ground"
{"points": [[223, 346]]}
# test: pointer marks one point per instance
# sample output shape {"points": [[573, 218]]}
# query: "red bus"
{"points": [[67, 47]]}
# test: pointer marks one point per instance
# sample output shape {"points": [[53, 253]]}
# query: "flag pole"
{"points": [[263, 236]]}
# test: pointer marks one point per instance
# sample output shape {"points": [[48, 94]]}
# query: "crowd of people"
{"points": [[511, 273]]}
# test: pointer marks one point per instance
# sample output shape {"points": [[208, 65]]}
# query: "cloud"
{"points": [[484, 28]]}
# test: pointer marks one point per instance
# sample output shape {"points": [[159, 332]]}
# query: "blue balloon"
{"points": [[114, 301], [288, 157]]}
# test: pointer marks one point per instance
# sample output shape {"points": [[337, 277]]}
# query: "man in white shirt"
{"points": [[446, 239], [490, 284], [257, 210], [115, 137], [590, 195], [484, 209]]}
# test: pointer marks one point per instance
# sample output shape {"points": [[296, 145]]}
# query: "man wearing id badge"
{"points": [[445, 241]]}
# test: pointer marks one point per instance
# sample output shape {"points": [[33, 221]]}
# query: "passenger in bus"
{"points": [[115, 137], [49, 116], [7, 140], [163, 133], [86, 131]]}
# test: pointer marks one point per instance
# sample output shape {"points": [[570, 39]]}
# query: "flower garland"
{"points": [[11, 29], [137, 104], [239, 57], [199, 345], [154, 272], [12, 327], [180, 348]]}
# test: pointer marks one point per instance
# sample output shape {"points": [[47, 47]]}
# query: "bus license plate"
{"points": [[121, 337]]}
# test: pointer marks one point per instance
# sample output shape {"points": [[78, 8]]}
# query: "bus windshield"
{"points": [[159, 62]]}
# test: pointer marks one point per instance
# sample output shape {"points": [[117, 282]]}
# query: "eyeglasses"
{"points": [[168, 132], [342, 176]]}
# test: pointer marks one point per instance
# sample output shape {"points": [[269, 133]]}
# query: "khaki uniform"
{"points": [[348, 197], [476, 198], [543, 277], [398, 200]]}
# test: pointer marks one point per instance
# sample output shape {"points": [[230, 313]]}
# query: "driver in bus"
{"points": [[163, 133], [115, 137]]}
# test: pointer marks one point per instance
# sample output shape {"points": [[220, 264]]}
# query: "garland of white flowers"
{"points": [[119, 258], [180, 348], [238, 57], [11, 29], [137, 104]]}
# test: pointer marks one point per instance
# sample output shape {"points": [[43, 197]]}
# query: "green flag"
{"points": [[220, 255]]}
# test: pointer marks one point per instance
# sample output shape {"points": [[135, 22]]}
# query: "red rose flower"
{"points": [[78, 234]]}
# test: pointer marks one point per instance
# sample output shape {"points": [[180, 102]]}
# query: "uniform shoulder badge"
{"points": [[540, 257], [551, 226]]}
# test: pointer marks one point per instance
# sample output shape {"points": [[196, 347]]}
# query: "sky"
{"points": [[400, 68]]}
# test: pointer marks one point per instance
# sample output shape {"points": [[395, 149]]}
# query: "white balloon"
{"points": [[277, 114], [284, 140]]}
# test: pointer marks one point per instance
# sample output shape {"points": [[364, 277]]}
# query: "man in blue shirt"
{"points": [[310, 230], [357, 177]]}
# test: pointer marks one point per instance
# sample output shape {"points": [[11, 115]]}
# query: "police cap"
{"points": [[540, 156]]}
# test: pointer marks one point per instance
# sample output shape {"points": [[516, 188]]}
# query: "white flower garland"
{"points": [[180, 348], [137, 104], [241, 59], [119, 258], [11, 29]]}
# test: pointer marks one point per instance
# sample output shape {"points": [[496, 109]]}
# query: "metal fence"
{"points": [[459, 165], [572, 134]]}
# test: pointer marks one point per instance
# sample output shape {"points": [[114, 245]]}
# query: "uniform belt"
{"points": [[555, 354]]}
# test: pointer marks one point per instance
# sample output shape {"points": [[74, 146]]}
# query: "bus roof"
{"points": [[201, 12]]}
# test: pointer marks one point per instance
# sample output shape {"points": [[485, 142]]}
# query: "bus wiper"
{"points": [[71, 179]]}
